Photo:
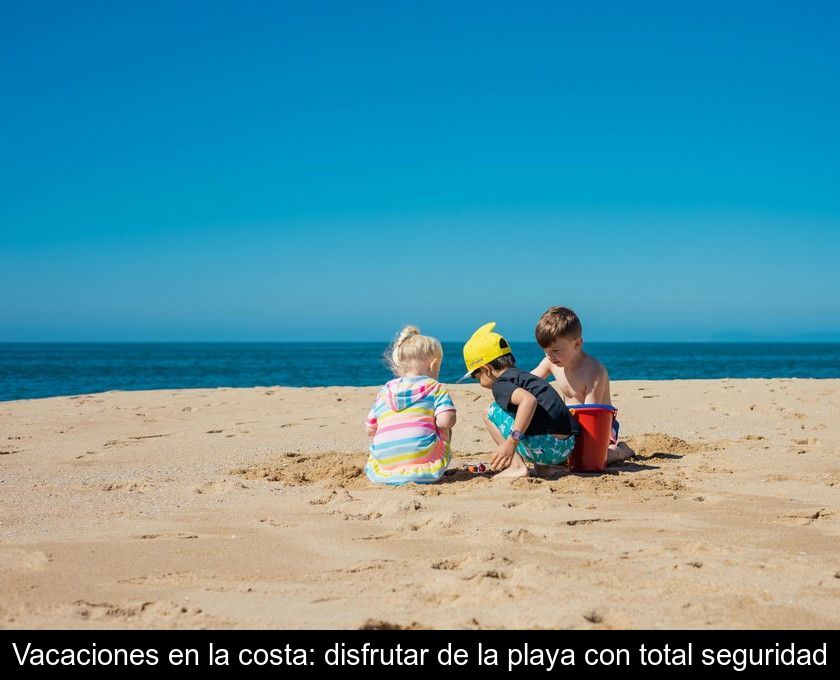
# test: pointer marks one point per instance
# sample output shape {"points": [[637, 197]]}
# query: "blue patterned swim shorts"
{"points": [[542, 449]]}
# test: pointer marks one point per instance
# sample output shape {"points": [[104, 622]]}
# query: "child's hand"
{"points": [[503, 455]]}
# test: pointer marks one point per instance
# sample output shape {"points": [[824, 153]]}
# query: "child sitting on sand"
{"points": [[528, 419], [411, 422], [579, 377]]}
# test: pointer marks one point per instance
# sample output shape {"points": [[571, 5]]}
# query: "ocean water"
{"points": [[32, 370]]}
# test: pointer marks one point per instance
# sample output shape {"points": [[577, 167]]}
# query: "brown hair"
{"points": [[555, 323]]}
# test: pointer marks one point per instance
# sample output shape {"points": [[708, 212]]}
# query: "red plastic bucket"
{"points": [[590, 452]]}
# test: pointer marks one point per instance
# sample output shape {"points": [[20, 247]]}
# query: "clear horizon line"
{"points": [[742, 341]]}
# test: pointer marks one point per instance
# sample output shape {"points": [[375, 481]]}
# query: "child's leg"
{"points": [[499, 424], [498, 437], [541, 470], [617, 451], [517, 468]]}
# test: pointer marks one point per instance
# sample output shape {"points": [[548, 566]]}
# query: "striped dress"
{"points": [[407, 446]]}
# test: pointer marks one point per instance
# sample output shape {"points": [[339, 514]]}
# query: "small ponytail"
{"points": [[410, 348], [405, 333]]}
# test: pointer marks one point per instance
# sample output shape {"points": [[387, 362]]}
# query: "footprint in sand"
{"points": [[128, 486], [116, 443], [776, 478], [157, 614], [369, 565], [482, 574], [380, 624], [86, 453], [362, 516], [380, 537], [445, 521], [439, 521], [522, 535], [338, 495], [593, 520], [278, 523], [219, 486], [179, 535], [401, 507], [805, 518], [476, 566]]}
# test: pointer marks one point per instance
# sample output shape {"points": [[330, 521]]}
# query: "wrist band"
{"points": [[516, 435]]}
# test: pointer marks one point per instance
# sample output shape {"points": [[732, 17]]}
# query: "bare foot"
{"points": [[543, 470], [517, 468], [619, 452], [548, 471]]}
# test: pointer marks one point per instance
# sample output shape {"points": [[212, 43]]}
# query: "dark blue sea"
{"points": [[31, 370]]}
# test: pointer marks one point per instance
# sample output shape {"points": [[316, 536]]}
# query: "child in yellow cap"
{"points": [[527, 419]]}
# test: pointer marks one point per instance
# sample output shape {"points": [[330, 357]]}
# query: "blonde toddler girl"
{"points": [[412, 419]]}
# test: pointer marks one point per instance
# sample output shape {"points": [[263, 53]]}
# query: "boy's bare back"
{"points": [[584, 382]]}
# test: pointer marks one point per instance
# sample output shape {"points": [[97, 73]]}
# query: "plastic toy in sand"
{"points": [[470, 468], [590, 452]]}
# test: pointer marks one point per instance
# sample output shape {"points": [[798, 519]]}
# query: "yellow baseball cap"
{"points": [[482, 348]]}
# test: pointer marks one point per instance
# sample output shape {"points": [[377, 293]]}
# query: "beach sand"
{"points": [[241, 508]]}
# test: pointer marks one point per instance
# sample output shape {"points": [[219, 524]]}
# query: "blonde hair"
{"points": [[410, 348]]}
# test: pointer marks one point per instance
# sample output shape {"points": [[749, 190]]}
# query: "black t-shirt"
{"points": [[551, 416]]}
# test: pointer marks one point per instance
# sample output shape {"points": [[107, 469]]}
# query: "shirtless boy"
{"points": [[578, 377]]}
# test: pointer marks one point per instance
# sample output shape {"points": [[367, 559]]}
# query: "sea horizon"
{"points": [[746, 341], [45, 369]]}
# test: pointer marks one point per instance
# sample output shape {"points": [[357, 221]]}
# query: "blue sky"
{"points": [[328, 171]]}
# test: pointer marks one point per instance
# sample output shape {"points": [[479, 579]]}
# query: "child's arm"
{"points": [[444, 412], [370, 422], [526, 405], [599, 391], [446, 420], [543, 369]]}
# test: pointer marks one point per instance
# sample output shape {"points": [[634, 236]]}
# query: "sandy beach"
{"points": [[242, 508]]}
